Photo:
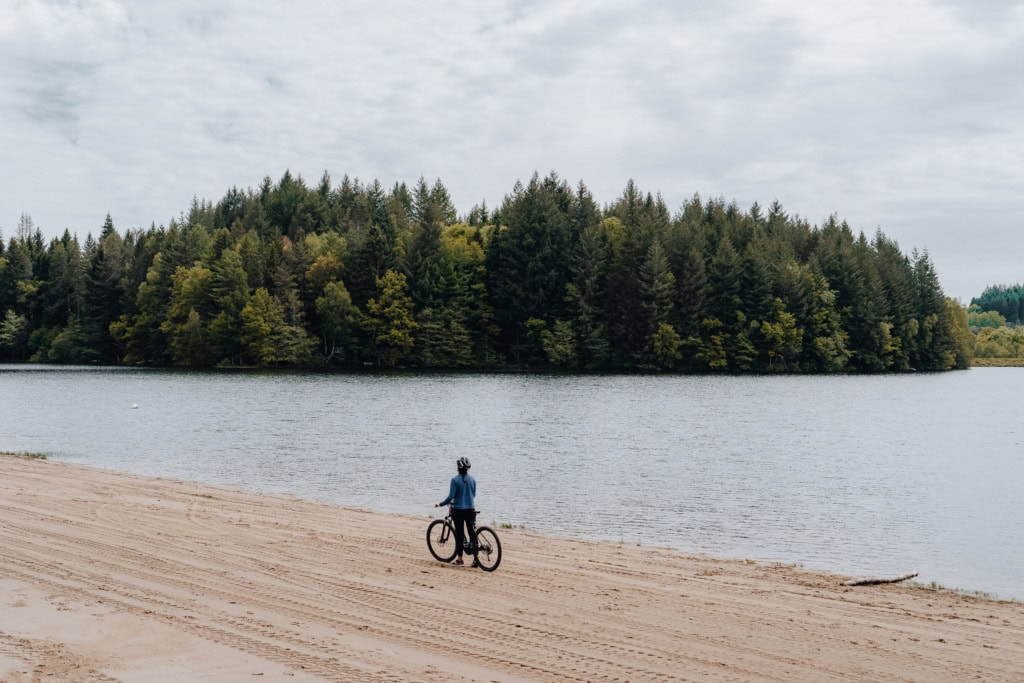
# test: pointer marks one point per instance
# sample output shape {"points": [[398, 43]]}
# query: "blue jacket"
{"points": [[461, 493]]}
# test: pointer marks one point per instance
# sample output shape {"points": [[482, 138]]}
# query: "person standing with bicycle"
{"points": [[462, 497]]}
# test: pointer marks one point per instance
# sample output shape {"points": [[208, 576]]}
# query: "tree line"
{"points": [[1007, 301], [353, 275], [995, 320]]}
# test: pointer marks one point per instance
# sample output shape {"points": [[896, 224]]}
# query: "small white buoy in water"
{"points": [[135, 406]]}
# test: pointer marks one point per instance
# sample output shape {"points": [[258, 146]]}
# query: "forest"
{"points": [[995, 320], [352, 275]]}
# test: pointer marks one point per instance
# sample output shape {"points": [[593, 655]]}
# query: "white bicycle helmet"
{"points": [[463, 463]]}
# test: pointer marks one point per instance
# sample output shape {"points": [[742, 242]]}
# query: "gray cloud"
{"points": [[900, 116], [51, 94]]}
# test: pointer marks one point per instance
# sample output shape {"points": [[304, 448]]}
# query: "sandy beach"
{"points": [[115, 577]]}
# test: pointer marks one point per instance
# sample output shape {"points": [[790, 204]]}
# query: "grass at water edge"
{"points": [[997, 362], [24, 454]]}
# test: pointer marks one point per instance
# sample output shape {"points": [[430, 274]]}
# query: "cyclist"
{"points": [[461, 494]]}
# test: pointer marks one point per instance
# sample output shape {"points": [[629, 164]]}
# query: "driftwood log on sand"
{"points": [[875, 581]]}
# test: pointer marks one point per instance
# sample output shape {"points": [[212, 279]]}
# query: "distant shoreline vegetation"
{"points": [[995, 320], [23, 454], [354, 275], [998, 362]]}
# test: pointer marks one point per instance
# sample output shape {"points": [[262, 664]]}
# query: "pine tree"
{"points": [[585, 296], [725, 285], [229, 289], [939, 346], [657, 294], [389, 321], [189, 313], [104, 293], [527, 258], [422, 256], [65, 281]]}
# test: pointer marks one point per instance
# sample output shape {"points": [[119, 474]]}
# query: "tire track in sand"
{"points": [[289, 580]]}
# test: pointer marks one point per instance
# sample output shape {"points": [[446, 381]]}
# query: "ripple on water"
{"points": [[852, 474]]}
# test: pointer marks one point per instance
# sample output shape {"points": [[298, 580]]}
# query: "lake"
{"points": [[871, 475]]}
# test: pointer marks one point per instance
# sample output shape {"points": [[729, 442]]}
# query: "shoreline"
{"points": [[827, 568], [107, 576]]}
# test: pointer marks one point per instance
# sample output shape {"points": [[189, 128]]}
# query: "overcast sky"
{"points": [[903, 115]]}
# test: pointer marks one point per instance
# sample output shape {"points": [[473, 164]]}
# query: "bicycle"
{"points": [[441, 542]]}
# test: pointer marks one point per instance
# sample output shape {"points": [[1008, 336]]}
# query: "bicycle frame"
{"points": [[467, 543], [482, 542]]}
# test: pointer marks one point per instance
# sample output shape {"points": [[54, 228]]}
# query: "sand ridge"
{"points": [[115, 577]]}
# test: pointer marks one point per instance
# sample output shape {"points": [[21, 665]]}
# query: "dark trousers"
{"points": [[463, 521]]}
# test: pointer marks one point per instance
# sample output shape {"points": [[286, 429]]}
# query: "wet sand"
{"points": [[114, 577]]}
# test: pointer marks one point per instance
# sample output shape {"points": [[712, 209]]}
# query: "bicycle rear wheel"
{"points": [[488, 549], [441, 540]]}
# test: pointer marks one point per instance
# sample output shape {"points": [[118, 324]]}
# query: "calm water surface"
{"points": [[859, 475]]}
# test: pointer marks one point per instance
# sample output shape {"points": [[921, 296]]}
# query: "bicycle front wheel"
{"points": [[488, 549], [441, 540]]}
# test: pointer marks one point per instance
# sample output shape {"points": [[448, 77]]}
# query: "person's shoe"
{"points": [[458, 561], [476, 563]]}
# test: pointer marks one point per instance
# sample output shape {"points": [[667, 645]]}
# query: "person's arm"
{"points": [[451, 495]]}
